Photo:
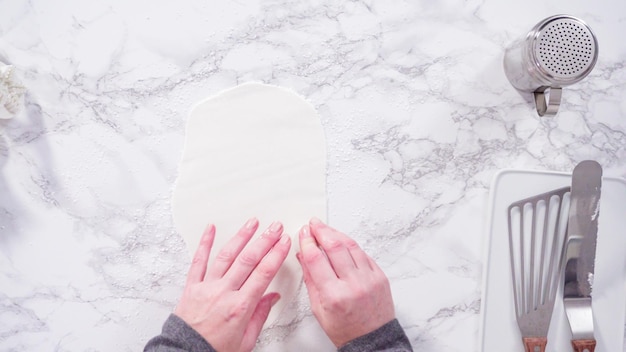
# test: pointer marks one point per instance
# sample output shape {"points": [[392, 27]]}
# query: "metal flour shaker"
{"points": [[558, 51]]}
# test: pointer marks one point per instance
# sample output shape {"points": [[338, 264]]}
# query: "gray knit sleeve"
{"points": [[388, 338], [177, 336]]}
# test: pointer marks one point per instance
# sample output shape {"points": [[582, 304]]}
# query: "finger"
{"points": [[310, 286], [231, 250], [201, 257], [250, 257], [257, 320], [334, 247], [266, 270], [361, 259], [375, 267], [314, 261]]}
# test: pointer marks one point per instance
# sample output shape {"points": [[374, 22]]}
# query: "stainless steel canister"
{"points": [[559, 51]]}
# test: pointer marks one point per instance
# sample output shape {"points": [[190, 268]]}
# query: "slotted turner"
{"points": [[537, 227]]}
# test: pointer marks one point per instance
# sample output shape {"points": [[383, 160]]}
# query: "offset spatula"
{"points": [[580, 253], [536, 237]]}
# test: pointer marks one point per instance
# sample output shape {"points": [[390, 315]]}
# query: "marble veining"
{"points": [[418, 117]]}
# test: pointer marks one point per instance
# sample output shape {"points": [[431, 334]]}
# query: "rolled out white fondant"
{"points": [[252, 151]]}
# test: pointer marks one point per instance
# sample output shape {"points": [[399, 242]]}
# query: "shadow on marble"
{"points": [[16, 134]]}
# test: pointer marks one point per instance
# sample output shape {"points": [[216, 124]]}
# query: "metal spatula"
{"points": [[537, 227]]}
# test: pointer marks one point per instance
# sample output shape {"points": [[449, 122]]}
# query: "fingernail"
{"points": [[316, 221], [251, 223], [284, 239], [305, 231], [306, 239], [276, 226], [208, 233], [275, 299]]}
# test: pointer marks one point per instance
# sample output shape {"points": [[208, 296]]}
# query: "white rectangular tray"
{"points": [[499, 331]]}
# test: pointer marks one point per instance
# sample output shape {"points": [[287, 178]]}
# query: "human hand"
{"points": [[350, 295], [225, 303]]}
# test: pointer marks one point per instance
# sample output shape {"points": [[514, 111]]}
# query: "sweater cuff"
{"points": [[389, 337], [177, 335]]}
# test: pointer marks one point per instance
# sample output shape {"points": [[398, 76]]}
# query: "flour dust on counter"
{"points": [[252, 151]]}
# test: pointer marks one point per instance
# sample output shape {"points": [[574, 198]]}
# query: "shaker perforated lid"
{"points": [[564, 48]]}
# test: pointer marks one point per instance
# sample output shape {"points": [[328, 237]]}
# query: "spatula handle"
{"points": [[584, 345], [536, 344]]}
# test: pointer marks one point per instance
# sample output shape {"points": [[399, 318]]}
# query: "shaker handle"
{"points": [[549, 106]]}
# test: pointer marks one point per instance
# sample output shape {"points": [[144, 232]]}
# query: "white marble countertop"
{"points": [[417, 111]]}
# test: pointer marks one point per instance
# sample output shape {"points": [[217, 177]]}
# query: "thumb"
{"points": [[257, 320], [308, 282]]}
